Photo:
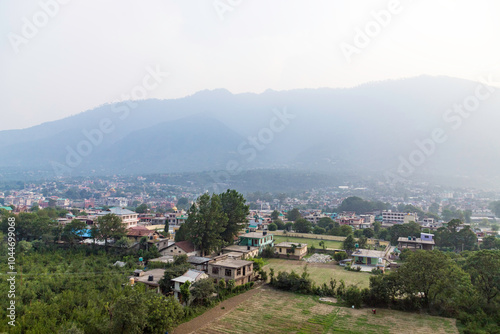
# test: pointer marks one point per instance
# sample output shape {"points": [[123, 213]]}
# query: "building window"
{"points": [[228, 272], [238, 272], [215, 270]]}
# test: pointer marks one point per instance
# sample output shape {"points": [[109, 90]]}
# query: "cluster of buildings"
{"points": [[232, 263]]}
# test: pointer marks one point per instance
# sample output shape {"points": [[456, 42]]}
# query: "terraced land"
{"points": [[271, 311]]}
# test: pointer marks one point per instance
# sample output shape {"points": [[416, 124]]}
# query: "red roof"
{"points": [[138, 231], [186, 246]]}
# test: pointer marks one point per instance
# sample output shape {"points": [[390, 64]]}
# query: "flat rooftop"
{"points": [[198, 259], [239, 249], [369, 253], [232, 263], [157, 276], [287, 244], [255, 235], [417, 241]]}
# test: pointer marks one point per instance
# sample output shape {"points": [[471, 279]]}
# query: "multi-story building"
{"points": [[389, 217], [256, 239], [240, 271], [315, 217], [116, 201], [291, 250], [425, 242], [129, 218]]}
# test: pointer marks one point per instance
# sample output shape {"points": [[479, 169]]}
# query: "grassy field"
{"points": [[309, 241], [271, 311], [321, 272]]}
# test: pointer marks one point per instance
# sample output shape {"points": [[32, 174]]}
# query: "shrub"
{"points": [[339, 256], [294, 282], [268, 252], [263, 275], [353, 296]]}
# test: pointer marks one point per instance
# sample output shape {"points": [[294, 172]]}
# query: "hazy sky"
{"points": [[86, 53]]}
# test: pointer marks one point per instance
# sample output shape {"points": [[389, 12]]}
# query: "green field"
{"points": [[309, 241], [272, 311], [321, 272]]}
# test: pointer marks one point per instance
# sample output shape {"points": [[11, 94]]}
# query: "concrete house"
{"points": [[240, 271], [150, 278], [256, 239], [291, 250], [199, 262], [192, 276], [425, 242], [180, 248], [245, 251], [371, 258], [135, 233], [129, 218]]}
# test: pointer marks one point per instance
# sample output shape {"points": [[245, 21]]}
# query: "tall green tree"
{"points": [[484, 269], [294, 214], [182, 233], [368, 232], [206, 222], [73, 231], [275, 215], [302, 226], [182, 203], [349, 244], [164, 313], [203, 290], [404, 230], [234, 207], [110, 226], [143, 208], [124, 321], [434, 276], [325, 222], [490, 242]]}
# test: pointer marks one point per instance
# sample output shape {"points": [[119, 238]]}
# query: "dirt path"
{"points": [[215, 313]]}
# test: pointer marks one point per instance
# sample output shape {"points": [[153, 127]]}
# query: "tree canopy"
{"points": [[206, 223]]}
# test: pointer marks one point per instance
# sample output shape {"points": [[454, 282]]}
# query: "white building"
{"points": [[390, 217], [192, 276], [129, 218]]}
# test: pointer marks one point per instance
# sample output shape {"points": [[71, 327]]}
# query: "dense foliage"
{"points": [[214, 221], [80, 291]]}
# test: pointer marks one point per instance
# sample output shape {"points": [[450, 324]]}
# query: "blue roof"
{"points": [[84, 233], [8, 208]]}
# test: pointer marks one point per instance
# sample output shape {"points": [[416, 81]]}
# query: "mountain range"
{"points": [[428, 126]]}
